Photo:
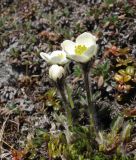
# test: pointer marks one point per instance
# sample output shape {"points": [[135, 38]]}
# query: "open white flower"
{"points": [[83, 49], [56, 57], [56, 72]]}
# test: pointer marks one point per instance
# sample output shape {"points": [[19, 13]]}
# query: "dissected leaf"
{"points": [[118, 51], [18, 155], [123, 62], [123, 87], [123, 51], [113, 50], [118, 77], [126, 78], [122, 78], [130, 70], [122, 72]]}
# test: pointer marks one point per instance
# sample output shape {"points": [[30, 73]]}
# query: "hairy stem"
{"points": [[71, 102], [61, 88], [91, 108]]}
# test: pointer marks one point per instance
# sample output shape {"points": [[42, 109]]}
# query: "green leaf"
{"points": [[69, 92], [102, 70], [126, 132], [77, 71], [122, 72], [130, 70], [117, 125]]}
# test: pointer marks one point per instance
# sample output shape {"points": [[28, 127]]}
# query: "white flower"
{"points": [[56, 57], [83, 49], [56, 72]]}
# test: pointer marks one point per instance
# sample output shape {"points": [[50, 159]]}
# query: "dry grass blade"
{"points": [[2, 132], [7, 113], [4, 111], [5, 153]]}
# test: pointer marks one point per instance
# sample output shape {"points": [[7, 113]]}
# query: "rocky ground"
{"points": [[27, 100]]}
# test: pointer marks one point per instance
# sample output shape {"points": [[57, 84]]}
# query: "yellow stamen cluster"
{"points": [[80, 49], [61, 55]]}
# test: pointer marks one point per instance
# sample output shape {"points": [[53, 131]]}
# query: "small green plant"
{"points": [[77, 71], [129, 10], [110, 1], [15, 53], [77, 148], [56, 145], [102, 70], [122, 69], [50, 99], [115, 140], [112, 19]]}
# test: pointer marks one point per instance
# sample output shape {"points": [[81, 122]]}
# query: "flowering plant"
{"points": [[81, 51]]}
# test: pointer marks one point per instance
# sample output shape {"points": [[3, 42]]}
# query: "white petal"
{"points": [[58, 53], [45, 56], [91, 51], [86, 39], [58, 57], [69, 47], [78, 58], [64, 61]]}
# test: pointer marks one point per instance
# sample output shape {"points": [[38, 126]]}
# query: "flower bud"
{"points": [[56, 72]]}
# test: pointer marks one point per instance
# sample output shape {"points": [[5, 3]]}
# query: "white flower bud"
{"points": [[56, 72]]}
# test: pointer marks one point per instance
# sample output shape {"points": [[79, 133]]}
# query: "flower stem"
{"points": [[91, 108], [61, 87]]}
